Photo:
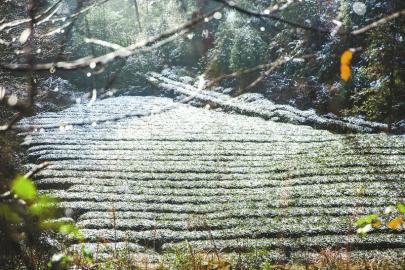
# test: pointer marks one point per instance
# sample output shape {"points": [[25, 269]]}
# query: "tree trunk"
{"points": [[138, 21]]}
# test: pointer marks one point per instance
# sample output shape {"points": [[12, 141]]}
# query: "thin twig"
{"points": [[16, 117], [36, 19], [81, 11], [238, 73], [268, 67], [379, 22], [274, 17], [110, 57], [275, 65], [37, 169], [64, 41], [103, 43]]}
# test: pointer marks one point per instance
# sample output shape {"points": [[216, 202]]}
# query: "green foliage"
{"points": [[366, 220], [401, 207], [371, 102], [25, 215], [377, 94], [70, 229], [24, 188], [247, 49], [7, 213]]}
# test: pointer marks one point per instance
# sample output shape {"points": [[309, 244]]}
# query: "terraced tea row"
{"points": [[147, 174]]}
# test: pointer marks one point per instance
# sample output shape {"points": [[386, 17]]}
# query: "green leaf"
{"points": [[8, 214], [69, 228], [44, 207], [366, 220], [401, 208], [24, 188]]}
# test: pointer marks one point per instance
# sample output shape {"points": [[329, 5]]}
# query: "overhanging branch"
{"points": [[271, 16], [110, 57]]}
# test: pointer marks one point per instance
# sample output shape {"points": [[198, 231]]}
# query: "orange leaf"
{"points": [[345, 72], [346, 58], [395, 223]]}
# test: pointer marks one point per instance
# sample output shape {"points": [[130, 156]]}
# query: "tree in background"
{"points": [[379, 93]]}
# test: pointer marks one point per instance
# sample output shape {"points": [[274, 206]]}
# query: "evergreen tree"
{"points": [[379, 92]]}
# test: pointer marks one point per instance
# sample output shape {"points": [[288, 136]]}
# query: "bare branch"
{"points": [[51, 13], [37, 19], [103, 43], [269, 15], [276, 64], [81, 11], [267, 67], [37, 169], [237, 73], [110, 57], [17, 117], [379, 22], [47, 15], [57, 30]]}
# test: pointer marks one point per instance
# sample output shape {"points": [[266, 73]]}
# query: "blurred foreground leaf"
{"points": [[8, 214], [345, 70], [401, 208], [71, 229], [395, 223], [24, 188], [366, 220], [44, 207]]}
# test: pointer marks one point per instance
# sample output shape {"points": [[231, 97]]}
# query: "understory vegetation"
{"points": [[343, 59]]}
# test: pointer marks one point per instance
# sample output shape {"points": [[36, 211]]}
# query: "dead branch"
{"points": [[57, 30], [46, 16], [52, 12]]}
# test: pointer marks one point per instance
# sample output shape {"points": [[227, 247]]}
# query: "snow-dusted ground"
{"points": [[172, 172]]}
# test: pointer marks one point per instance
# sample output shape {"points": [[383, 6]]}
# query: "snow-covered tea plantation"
{"points": [[148, 174]]}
